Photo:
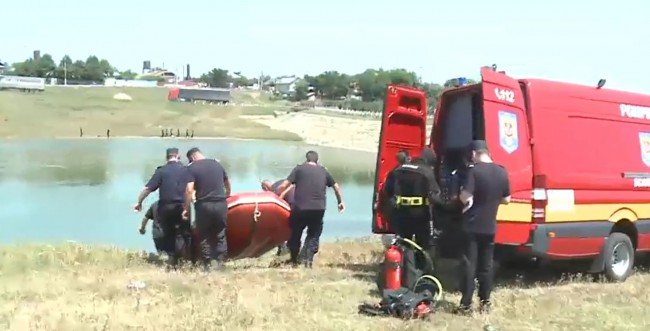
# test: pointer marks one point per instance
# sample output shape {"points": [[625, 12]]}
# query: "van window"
{"points": [[458, 122], [462, 121]]}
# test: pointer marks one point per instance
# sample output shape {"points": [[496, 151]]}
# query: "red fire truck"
{"points": [[578, 159]]}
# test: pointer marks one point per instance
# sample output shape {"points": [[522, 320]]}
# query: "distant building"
{"points": [[27, 84], [285, 85], [169, 76]]}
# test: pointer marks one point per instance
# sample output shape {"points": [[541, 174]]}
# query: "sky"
{"points": [[575, 41]]}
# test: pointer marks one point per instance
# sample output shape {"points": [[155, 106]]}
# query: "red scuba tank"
{"points": [[393, 268]]}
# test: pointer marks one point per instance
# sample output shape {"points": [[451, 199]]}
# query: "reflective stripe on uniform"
{"points": [[411, 201]]}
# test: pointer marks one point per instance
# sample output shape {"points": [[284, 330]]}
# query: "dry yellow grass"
{"points": [[61, 111], [75, 287]]}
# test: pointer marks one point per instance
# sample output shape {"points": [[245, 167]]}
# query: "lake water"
{"points": [[83, 190]]}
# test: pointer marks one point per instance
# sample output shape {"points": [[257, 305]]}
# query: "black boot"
{"points": [[485, 307], [462, 310], [293, 259], [172, 261]]}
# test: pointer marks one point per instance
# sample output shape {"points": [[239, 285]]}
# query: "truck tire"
{"points": [[618, 257]]}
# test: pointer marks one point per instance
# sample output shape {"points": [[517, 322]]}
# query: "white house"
{"points": [[285, 85]]}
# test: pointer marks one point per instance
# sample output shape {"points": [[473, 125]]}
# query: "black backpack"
{"points": [[402, 303]]}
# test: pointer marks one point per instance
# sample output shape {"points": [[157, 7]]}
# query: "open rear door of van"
{"points": [[403, 127], [508, 137]]}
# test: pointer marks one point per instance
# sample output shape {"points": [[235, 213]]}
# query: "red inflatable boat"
{"points": [[257, 223]]}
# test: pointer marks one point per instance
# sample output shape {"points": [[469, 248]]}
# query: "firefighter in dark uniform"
{"points": [[413, 190], [170, 180]]}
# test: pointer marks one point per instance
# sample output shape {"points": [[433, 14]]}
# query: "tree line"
{"points": [[92, 69], [363, 91]]}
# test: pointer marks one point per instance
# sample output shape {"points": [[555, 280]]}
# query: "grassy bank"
{"points": [[61, 111], [83, 288]]}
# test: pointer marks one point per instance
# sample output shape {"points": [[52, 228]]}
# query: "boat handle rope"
{"points": [[257, 213]]}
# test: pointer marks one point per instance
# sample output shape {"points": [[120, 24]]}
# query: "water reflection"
{"points": [[71, 166], [83, 189]]}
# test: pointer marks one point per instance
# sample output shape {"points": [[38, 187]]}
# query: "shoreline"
{"points": [[365, 239], [183, 138], [314, 129], [59, 118], [129, 137]]}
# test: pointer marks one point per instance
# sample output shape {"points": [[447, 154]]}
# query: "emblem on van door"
{"points": [[508, 131], [644, 141]]}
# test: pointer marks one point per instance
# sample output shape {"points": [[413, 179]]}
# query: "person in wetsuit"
{"points": [[311, 180], [287, 195], [388, 207], [209, 187], [157, 233], [403, 157], [170, 180], [413, 190]]}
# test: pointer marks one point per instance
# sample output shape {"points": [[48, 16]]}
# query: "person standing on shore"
{"points": [[170, 180], [485, 189], [311, 181], [209, 187]]}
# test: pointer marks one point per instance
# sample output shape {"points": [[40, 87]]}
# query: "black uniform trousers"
{"points": [[415, 222], [159, 243], [299, 220], [211, 219], [476, 263], [176, 231], [282, 249]]}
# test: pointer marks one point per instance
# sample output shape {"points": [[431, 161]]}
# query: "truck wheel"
{"points": [[618, 255]]}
